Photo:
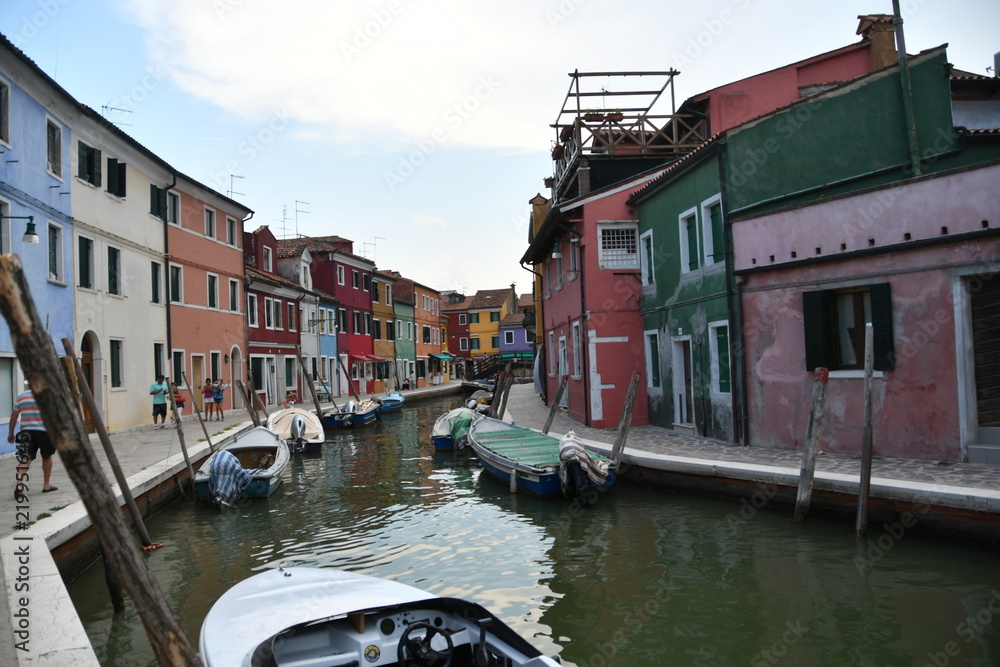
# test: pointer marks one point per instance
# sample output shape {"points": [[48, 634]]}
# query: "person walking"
{"points": [[179, 400], [208, 398], [218, 389], [158, 390], [31, 439]]}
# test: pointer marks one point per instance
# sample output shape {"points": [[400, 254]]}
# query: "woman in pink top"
{"points": [[209, 400]]}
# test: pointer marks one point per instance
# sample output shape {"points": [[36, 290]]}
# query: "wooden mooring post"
{"points": [[312, 388], [865, 484], [197, 411], [807, 473], [626, 421], [40, 363], [248, 402], [555, 404]]}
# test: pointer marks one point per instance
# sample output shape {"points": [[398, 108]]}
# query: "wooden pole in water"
{"points": [[248, 402], [255, 397], [626, 421], [38, 359], [864, 487], [350, 384], [312, 389], [506, 394], [555, 404], [201, 421], [822, 377], [109, 450], [180, 438]]}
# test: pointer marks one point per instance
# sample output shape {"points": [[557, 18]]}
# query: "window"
{"points": [[215, 365], [473, 318], [53, 148], [117, 363], [4, 113], [390, 330], [388, 295], [158, 359], [340, 275], [231, 231], [177, 361], [463, 344], [355, 279], [85, 263], [291, 316], [358, 324], [289, 372], [551, 353], [88, 161], [409, 331], [173, 208], [343, 321], [277, 313], [213, 291], [462, 319], [375, 284], [646, 259], [156, 282], [714, 243], [494, 316], [834, 324], [577, 351], [495, 341], [252, 310], [367, 282], [55, 252], [116, 177], [157, 201], [210, 223], [652, 359], [268, 260], [687, 223], [368, 324], [719, 342], [234, 295], [618, 246], [474, 343], [563, 361], [5, 246], [426, 331], [176, 284], [114, 271], [508, 337], [376, 329], [268, 313]]}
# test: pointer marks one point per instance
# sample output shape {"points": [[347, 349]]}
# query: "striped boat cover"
{"points": [[227, 477]]}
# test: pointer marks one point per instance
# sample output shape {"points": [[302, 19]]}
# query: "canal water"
{"points": [[644, 577]]}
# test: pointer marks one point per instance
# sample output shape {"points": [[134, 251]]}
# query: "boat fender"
{"points": [[513, 480]]}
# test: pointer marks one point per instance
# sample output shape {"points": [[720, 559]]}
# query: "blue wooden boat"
{"points": [[540, 464], [352, 414], [451, 427], [393, 401], [248, 466]]}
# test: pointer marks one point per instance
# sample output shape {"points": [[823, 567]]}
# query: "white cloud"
{"points": [[429, 221]]}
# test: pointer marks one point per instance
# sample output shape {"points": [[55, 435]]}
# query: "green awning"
{"points": [[442, 357]]}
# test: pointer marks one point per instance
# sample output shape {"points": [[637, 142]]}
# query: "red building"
{"points": [[455, 309]]}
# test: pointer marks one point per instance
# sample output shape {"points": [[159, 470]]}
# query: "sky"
{"points": [[418, 129]]}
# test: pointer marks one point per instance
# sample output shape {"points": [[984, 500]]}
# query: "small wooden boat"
{"points": [[452, 427], [300, 428], [249, 466], [310, 617], [393, 401], [540, 464], [352, 414]]}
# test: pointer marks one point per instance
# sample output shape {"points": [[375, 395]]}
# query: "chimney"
{"points": [[880, 33]]}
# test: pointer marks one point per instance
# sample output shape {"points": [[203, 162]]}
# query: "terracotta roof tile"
{"points": [[489, 298]]}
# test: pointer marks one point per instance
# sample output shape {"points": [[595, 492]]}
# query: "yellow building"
{"points": [[487, 310], [384, 332]]}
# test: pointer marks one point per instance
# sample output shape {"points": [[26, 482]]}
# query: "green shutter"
{"points": [[654, 360], [82, 153], [884, 357], [722, 350], [819, 332], [692, 242], [718, 242], [648, 248], [95, 166], [112, 175]]}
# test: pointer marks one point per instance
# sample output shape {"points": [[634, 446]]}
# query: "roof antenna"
{"points": [[297, 211]]}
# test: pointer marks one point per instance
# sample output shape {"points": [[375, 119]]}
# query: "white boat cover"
{"points": [[281, 422], [227, 477], [267, 603], [571, 449]]}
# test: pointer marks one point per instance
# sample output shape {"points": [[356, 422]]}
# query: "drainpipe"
{"points": [[904, 79], [166, 254]]}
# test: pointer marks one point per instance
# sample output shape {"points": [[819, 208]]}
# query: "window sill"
{"points": [[57, 282], [118, 198], [854, 375]]}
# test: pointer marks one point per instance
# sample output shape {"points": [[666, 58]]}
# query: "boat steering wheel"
{"points": [[420, 649]]}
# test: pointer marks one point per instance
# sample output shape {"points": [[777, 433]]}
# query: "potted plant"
{"points": [[616, 116], [592, 116], [557, 151], [550, 181]]}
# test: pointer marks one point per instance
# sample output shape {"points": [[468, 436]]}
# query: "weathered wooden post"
{"points": [[822, 378], [204, 428], [255, 397], [354, 390], [312, 388], [626, 421], [555, 404], [864, 487], [38, 359], [248, 402]]}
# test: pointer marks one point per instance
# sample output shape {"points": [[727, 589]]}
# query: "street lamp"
{"points": [[30, 236]]}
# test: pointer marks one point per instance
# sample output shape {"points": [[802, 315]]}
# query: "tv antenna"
{"points": [[231, 191], [283, 220], [105, 108], [374, 245], [297, 211]]}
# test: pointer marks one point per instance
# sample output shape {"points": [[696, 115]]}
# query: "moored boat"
{"points": [[393, 401], [540, 464], [352, 413], [248, 466], [315, 616], [300, 428], [452, 427]]}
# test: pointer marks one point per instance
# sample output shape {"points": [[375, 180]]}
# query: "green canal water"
{"points": [[642, 578]]}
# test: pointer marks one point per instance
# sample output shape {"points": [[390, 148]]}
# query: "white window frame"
{"points": [[647, 267], [646, 335], [57, 171], [508, 337], [118, 277], [463, 320], [231, 231], [212, 295], [56, 274], [170, 282], [577, 350], [210, 229], [121, 363], [5, 113], [713, 327], [463, 344], [355, 279], [340, 274], [173, 208], [682, 229], [268, 312], [251, 310], [234, 295], [92, 287], [611, 263], [278, 326], [267, 259], [291, 316], [552, 354], [156, 280], [707, 245]]}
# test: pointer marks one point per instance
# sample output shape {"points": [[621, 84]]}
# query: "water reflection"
{"points": [[641, 578]]}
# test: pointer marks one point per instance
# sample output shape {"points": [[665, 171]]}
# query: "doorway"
{"points": [[683, 383]]}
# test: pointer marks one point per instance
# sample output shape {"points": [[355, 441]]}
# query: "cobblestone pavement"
{"points": [[527, 409]]}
